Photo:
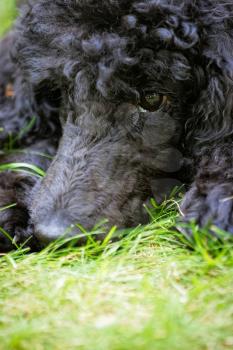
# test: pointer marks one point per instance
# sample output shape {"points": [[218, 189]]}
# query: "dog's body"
{"points": [[92, 65]]}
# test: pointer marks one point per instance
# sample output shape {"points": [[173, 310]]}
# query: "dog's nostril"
{"points": [[53, 228]]}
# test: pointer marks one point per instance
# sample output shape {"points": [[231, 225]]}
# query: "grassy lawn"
{"points": [[148, 291], [7, 14]]}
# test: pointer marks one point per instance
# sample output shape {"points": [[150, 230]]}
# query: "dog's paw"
{"points": [[12, 223], [14, 214], [212, 209]]}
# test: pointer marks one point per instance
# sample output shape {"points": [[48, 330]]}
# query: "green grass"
{"points": [[148, 291], [7, 14]]}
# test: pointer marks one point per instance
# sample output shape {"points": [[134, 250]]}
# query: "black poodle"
{"points": [[132, 85]]}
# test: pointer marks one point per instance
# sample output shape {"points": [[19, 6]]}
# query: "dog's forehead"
{"points": [[147, 34], [113, 47], [107, 10], [128, 17]]}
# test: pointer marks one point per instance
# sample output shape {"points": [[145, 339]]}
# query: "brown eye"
{"points": [[152, 101]]}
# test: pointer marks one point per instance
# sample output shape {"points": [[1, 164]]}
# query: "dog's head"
{"points": [[132, 75]]}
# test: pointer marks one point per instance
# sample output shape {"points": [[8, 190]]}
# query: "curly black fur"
{"points": [[88, 64]]}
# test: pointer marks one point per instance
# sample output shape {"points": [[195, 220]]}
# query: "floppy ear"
{"points": [[220, 51], [213, 113]]}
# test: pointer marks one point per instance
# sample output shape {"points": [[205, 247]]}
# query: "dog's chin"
{"points": [[56, 229]]}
